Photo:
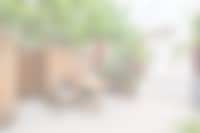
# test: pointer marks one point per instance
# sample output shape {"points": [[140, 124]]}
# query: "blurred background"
{"points": [[157, 36]]}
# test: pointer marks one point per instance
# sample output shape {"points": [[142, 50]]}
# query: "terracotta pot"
{"points": [[8, 81]]}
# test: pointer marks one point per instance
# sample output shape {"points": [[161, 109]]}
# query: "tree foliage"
{"points": [[69, 19], [73, 21]]}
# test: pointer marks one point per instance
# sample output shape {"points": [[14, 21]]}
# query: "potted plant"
{"points": [[80, 22], [120, 55]]}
